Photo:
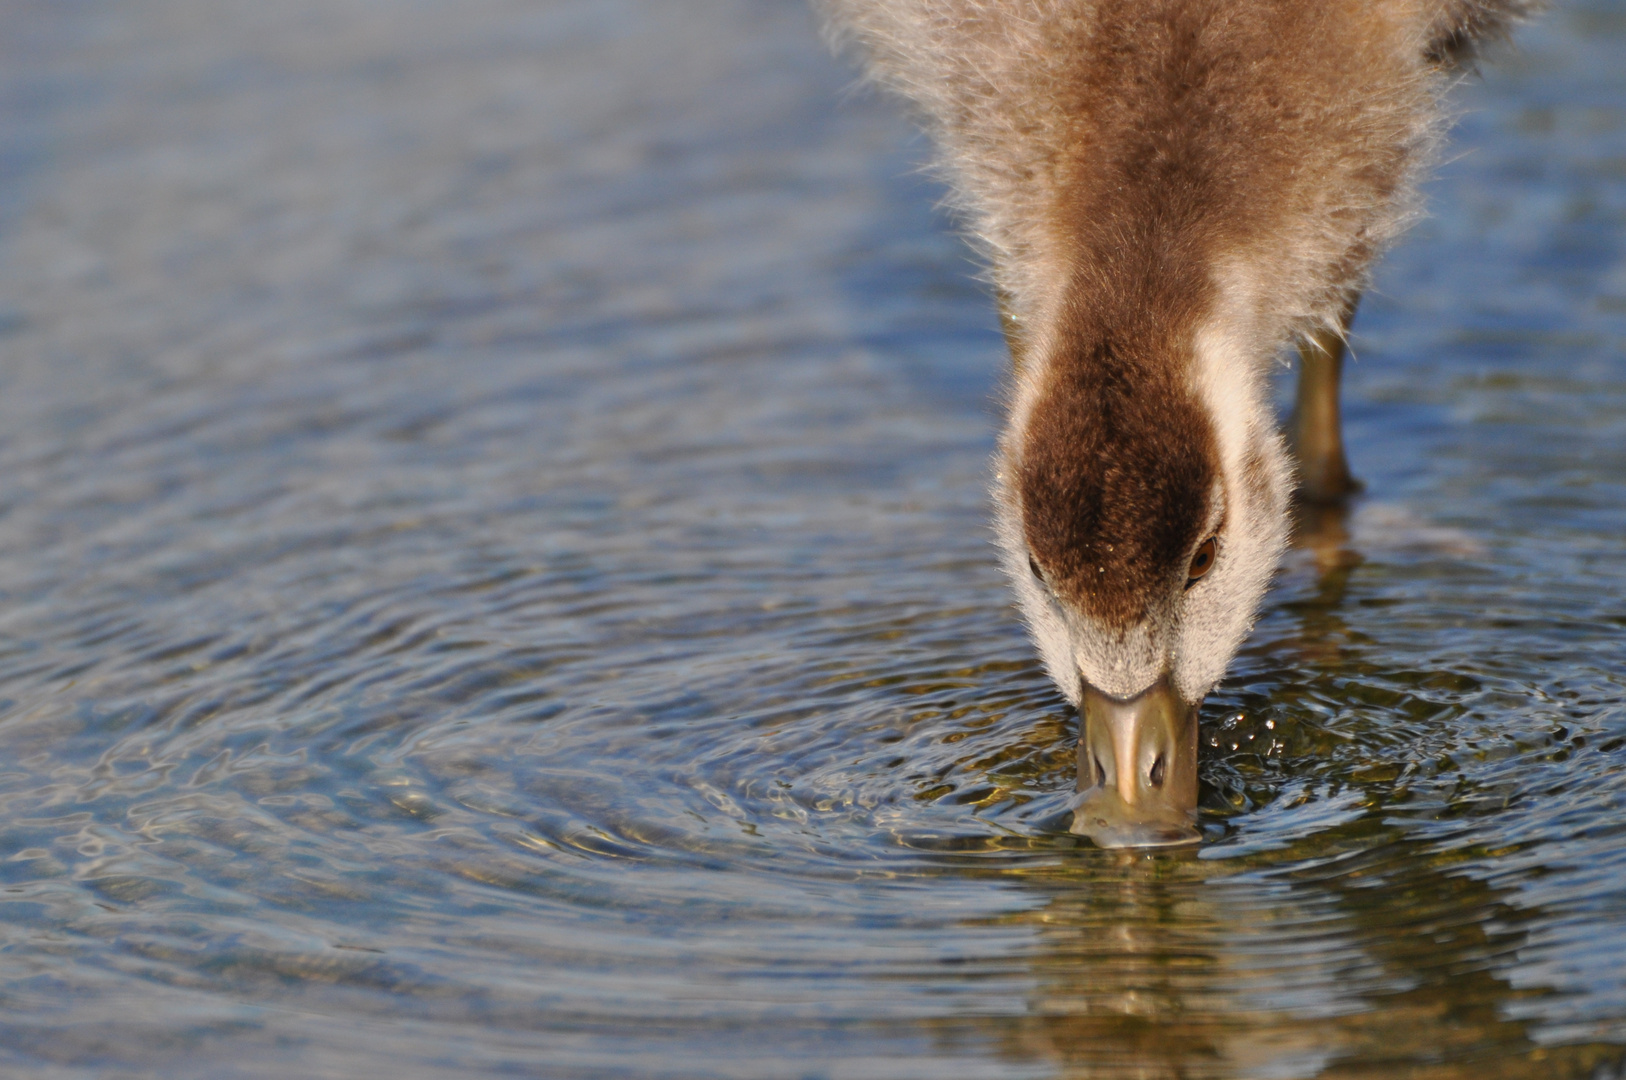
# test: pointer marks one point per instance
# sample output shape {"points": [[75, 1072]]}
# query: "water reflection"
{"points": [[494, 579], [1370, 958], [1323, 530]]}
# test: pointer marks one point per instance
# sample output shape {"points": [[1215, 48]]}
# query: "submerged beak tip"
{"points": [[1102, 818], [1136, 806]]}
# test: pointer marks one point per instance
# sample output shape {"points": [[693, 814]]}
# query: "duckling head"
{"points": [[1142, 497]]}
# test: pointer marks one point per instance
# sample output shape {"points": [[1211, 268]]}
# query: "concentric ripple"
{"points": [[495, 579]]}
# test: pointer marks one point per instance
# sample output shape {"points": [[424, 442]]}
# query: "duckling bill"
{"points": [[1169, 193]]}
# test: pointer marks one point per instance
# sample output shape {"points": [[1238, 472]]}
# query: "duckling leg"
{"points": [[1316, 432]]}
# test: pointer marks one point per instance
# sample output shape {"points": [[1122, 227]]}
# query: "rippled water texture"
{"points": [[495, 580]]}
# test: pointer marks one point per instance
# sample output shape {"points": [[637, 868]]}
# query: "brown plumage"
{"points": [[1115, 478], [1170, 193]]}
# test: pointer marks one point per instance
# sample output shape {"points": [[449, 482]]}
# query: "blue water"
{"points": [[495, 580]]}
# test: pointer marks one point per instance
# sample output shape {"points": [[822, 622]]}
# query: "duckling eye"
{"points": [[1033, 564], [1202, 562]]}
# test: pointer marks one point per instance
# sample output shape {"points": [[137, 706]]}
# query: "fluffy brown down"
{"points": [[1072, 129], [1118, 158]]}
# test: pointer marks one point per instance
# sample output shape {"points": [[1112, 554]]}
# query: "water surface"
{"points": [[495, 580]]}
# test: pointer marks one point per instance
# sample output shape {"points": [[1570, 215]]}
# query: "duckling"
{"points": [[1169, 193]]}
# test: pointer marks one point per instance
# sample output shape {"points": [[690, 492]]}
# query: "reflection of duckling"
{"points": [[1169, 191]]}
